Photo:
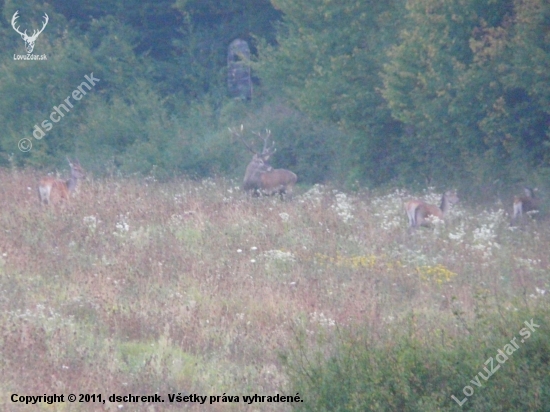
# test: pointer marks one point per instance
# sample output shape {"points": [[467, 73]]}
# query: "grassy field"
{"points": [[192, 288]]}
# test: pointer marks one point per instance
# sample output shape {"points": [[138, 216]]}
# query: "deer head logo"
{"points": [[29, 40]]}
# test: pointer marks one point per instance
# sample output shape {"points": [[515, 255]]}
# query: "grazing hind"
{"points": [[51, 190], [418, 211], [525, 204]]}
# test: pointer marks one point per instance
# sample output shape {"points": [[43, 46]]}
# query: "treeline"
{"points": [[398, 92]]}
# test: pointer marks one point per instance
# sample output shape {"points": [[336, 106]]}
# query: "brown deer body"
{"points": [[51, 190], [278, 181], [525, 204], [418, 211], [260, 177]]}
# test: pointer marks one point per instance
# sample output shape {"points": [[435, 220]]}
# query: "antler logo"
{"points": [[29, 40]]}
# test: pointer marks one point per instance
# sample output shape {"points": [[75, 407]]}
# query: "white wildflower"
{"points": [[279, 255], [90, 221], [388, 210], [343, 207], [314, 194], [208, 183], [122, 226], [458, 236], [321, 319]]}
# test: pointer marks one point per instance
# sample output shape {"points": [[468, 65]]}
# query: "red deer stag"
{"points": [[525, 204], [260, 177], [418, 211], [51, 190]]}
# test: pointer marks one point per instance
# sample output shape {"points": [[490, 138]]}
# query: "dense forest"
{"points": [[372, 93]]}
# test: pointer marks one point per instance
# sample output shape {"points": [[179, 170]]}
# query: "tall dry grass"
{"points": [[143, 287]]}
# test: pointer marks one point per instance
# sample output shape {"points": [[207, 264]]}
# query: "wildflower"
{"points": [[279, 255], [437, 273], [342, 207], [314, 194], [121, 226], [321, 319], [389, 210], [90, 221], [458, 236]]}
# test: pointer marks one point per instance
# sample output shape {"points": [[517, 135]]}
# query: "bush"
{"points": [[420, 371]]}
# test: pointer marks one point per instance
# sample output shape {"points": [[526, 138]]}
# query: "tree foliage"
{"points": [[458, 79], [327, 62], [415, 91]]}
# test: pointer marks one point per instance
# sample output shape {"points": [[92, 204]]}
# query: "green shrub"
{"points": [[418, 370]]}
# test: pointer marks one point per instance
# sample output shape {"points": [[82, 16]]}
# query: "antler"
{"points": [[266, 151], [46, 20], [13, 19], [240, 136], [35, 32]]}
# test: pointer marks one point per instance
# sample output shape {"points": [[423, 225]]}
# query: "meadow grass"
{"points": [[190, 287]]}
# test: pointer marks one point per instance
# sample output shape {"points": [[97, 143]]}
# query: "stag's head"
{"points": [[29, 40]]}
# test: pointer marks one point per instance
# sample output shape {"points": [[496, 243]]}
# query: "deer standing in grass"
{"points": [[259, 176], [418, 211], [51, 190], [525, 204]]}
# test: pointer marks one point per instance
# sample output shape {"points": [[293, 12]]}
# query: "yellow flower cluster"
{"points": [[437, 274], [352, 262], [358, 262]]}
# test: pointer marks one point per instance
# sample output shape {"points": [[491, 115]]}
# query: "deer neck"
{"points": [[71, 183], [444, 204]]}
